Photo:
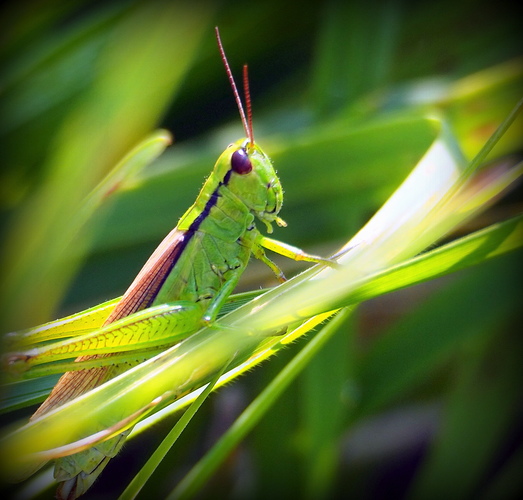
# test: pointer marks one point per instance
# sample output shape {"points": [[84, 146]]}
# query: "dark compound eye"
{"points": [[240, 162]]}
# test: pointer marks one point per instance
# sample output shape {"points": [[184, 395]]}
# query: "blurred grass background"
{"points": [[417, 397]]}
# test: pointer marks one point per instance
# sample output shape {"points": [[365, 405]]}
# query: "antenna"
{"points": [[247, 125], [247, 94]]}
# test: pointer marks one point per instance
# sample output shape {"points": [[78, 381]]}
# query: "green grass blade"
{"points": [[138, 482], [195, 479], [26, 392], [480, 158], [124, 172], [460, 254]]}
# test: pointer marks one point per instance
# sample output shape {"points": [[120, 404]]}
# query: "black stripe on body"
{"points": [[211, 202], [195, 225]]}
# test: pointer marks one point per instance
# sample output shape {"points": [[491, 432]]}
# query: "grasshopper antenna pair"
{"points": [[246, 120]]}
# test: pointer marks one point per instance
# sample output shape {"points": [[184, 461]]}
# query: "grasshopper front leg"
{"points": [[288, 251]]}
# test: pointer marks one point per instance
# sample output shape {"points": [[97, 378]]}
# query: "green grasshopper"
{"points": [[180, 289]]}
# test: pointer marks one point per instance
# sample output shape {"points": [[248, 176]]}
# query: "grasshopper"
{"points": [[180, 289]]}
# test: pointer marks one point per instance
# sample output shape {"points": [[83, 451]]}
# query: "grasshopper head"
{"points": [[254, 180]]}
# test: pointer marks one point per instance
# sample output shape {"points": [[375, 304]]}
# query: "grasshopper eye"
{"points": [[240, 162]]}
